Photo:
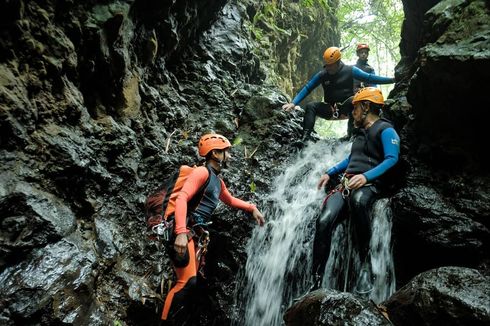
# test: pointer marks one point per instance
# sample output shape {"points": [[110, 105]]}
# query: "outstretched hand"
{"points": [[257, 215], [289, 106], [324, 179]]}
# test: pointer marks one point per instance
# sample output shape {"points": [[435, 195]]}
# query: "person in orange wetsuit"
{"points": [[204, 179]]}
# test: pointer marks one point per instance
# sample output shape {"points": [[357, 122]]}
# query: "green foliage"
{"points": [[310, 3], [237, 141], [253, 186], [331, 128], [376, 22], [287, 35]]}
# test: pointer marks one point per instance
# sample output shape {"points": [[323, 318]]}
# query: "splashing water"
{"points": [[343, 266], [278, 267]]}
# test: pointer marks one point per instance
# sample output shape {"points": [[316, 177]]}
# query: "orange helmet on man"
{"points": [[209, 142], [371, 94], [332, 55]]}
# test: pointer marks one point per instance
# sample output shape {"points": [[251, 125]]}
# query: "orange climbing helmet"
{"points": [[371, 94], [331, 55], [209, 142], [361, 46]]}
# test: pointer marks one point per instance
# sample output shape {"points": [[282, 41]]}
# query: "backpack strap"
{"points": [[192, 204], [198, 196], [169, 191]]}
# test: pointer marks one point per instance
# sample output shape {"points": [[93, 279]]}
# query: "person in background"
{"points": [[362, 52], [337, 80], [375, 150]]}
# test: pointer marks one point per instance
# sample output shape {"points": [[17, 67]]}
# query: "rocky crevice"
{"points": [[99, 101]]}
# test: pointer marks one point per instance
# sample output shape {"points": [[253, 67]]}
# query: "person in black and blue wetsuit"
{"points": [[375, 149], [362, 52], [337, 80]]}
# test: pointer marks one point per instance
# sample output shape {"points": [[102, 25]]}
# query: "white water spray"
{"points": [[278, 267]]}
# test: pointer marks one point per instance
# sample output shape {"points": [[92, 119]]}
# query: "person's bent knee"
{"points": [[323, 221], [310, 107], [359, 199]]}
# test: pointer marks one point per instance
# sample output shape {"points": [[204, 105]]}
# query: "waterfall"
{"points": [[278, 267], [343, 265]]}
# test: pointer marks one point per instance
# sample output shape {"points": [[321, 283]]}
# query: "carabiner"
{"points": [[159, 229], [345, 193], [335, 111]]}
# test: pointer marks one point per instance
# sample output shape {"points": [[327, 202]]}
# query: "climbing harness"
{"points": [[335, 111], [342, 187], [198, 232], [201, 237], [163, 230], [335, 108]]}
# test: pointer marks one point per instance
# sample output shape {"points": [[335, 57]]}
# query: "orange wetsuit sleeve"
{"points": [[229, 200], [192, 184]]}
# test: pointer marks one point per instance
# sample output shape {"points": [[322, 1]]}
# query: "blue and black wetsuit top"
{"points": [[340, 86], [364, 66], [209, 200], [374, 151]]}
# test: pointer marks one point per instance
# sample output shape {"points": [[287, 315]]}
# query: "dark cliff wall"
{"points": [[99, 101], [441, 215]]}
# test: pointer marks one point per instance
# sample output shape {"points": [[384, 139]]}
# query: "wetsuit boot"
{"points": [[364, 285]]}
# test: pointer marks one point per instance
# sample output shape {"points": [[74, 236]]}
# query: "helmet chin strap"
{"points": [[223, 164], [364, 114]]}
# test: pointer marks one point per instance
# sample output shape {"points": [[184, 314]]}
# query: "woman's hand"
{"points": [[257, 215], [180, 244]]}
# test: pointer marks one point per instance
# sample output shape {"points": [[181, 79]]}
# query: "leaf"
{"points": [[237, 141], [253, 186]]}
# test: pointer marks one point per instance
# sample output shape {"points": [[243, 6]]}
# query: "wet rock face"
{"points": [[413, 35], [441, 213], [58, 275], [432, 232], [330, 307], [457, 53], [100, 102], [31, 218], [443, 296]]}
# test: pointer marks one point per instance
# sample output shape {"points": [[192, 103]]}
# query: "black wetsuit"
{"points": [[367, 154], [364, 66], [337, 88]]}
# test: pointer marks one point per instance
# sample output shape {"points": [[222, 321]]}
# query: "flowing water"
{"points": [[278, 268]]}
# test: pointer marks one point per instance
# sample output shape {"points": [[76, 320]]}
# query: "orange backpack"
{"points": [[160, 204]]}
